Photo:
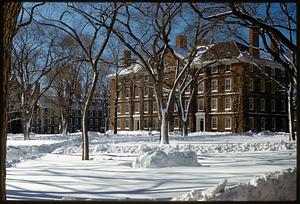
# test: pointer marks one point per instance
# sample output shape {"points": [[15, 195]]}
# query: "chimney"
{"points": [[126, 57], [181, 41], [254, 42]]}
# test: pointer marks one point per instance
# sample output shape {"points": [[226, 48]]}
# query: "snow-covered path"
{"points": [[110, 176]]}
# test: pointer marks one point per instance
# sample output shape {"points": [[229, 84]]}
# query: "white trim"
{"points": [[214, 128], [227, 90], [212, 82], [211, 102], [228, 128], [229, 103]]}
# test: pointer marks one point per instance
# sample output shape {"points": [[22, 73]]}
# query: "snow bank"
{"points": [[21, 150], [278, 185], [160, 159]]}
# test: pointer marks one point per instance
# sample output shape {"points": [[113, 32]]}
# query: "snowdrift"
{"points": [[278, 185], [160, 159]]}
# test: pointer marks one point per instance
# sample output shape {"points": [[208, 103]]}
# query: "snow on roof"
{"points": [[134, 68]]}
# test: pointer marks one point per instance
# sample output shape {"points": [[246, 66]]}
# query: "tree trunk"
{"points": [[184, 129], [164, 132], [85, 138], [26, 130], [64, 124], [9, 13], [290, 112], [116, 116]]}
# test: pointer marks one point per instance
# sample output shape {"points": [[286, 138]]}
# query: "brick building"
{"points": [[238, 93]]}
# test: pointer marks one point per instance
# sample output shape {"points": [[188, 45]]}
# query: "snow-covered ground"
{"points": [[50, 166]]}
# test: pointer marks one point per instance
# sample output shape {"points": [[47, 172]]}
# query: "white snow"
{"points": [[160, 159], [278, 185], [50, 166]]}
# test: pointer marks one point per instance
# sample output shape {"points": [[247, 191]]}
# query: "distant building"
{"points": [[235, 95]]}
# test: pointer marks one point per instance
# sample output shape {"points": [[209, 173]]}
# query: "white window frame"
{"points": [[225, 104], [273, 123], [146, 107], [200, 100], [55, 130], [262, 85], [251, 68], [225, 84], [212, 123], [137, 92], [137, 107], [127, 108], [214, 81], [96, 121], [251, 104], [273, 73], [154, 107], [226, 65], [273, 105], [126, 123], [283, 106], [201, 87], [263, 123], [214, 69], [176, 123], [186, 101], [230, 123], [251, 84], [127, 92], [262, 104], [146, 91], [119, 108], [211, 105], [146, 77], [49, 130], [251, 123], [118, 123], [91, 121]]}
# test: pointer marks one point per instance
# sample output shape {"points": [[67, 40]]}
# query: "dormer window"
{"points": [[214, 69], [227, 68], [146, 77]]}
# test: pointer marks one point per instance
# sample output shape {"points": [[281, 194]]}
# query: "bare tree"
{"points": [[33, 57], [93, 49], [276, 25]]}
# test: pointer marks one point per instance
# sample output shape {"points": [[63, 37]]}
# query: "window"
{"points": [[155, 123], [136, 107], [127, 92], [55, 130], [201, 87], [188, 89], [137, 92], [146, 77], [175, 107], [251, 68], [227, 103], [127, 123], [262, 104], [96, 121], [262, 85], [119, 109], [272, 87], [91, 121], [227, 123], [48, 129], [251, 84], [214, 104], [227, 84], [214, 69], [251, 104], [145, 107], [283, 108], [146, 125], [56, 120], [127, 108], [214, 123], [282, 73], [251, 123], [118, 123], [200, 104], [227, 68], [186, 102], [273, 123], [176, 123], [154, 106], [73, 112], [76, 121], [272, 71], [282, 124], [263, 123], [273, 105], [145, 91], [97, 114], [214, 85]]}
